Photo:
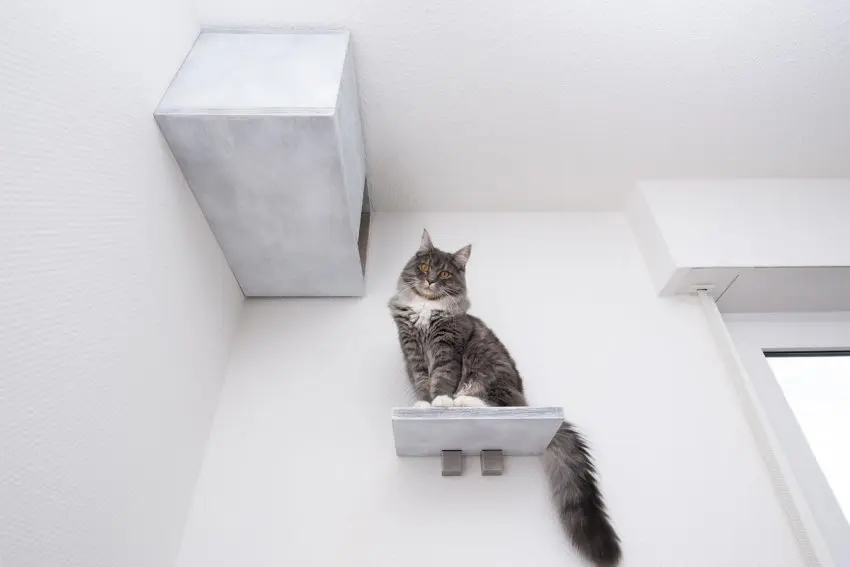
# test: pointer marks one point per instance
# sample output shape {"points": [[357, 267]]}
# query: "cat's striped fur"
{"points": [[453, 359]]}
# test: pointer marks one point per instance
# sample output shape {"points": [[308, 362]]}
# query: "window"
{"points": [[797, 377], [816, 386]]}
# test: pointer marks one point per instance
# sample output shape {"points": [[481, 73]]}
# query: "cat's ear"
{"points": [[461, 257], [425, 244]]}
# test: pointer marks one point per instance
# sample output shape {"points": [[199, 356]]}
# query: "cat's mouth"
{"points": [[428, 293]]}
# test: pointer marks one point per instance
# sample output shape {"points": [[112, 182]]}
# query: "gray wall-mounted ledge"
{"points": [[520, 431], [265, 126]]}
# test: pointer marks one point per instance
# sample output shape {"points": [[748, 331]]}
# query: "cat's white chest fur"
{"points": [[421, 310]]}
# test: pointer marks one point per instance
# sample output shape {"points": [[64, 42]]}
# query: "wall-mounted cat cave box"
{"points": [[491, 432], [265, 126]]}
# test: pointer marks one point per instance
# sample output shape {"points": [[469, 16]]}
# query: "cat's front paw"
{"points": [[443, 402], [422, 404], [469, 402]]}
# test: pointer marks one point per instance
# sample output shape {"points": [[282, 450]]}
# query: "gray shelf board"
{"points": [[516, 431]]}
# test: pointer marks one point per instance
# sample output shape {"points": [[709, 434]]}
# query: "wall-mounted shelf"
{"points": [[454, 432]]}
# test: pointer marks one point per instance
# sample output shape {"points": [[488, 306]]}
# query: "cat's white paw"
{"points": [[443, 402], [469, 402], [422, 404]]}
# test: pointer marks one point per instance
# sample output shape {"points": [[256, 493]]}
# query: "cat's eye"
{"points": [[423, 268], [444, 275]]}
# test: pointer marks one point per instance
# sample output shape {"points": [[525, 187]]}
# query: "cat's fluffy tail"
{"points": [[581, 507]]}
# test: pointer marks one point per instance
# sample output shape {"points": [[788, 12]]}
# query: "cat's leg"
{"points": [[514, 397], [443, 401], [504, 393], [470, 394], [472, 389], [445, 374], [469, 402], [416, 366], [417, 372]]}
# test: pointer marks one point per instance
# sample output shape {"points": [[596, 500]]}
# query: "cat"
{"points": [[454, 360]]}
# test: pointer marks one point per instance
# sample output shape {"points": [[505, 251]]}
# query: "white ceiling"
{"points": [[488, 105]]}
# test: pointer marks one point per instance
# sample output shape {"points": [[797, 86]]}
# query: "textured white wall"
{"points": [[301, 469], [483, 105], [116, 306]]}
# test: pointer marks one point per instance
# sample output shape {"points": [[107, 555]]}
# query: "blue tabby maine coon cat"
{"points": [[453, 359]]}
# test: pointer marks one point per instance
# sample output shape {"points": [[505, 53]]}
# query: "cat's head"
{"points": [[433, 273]]}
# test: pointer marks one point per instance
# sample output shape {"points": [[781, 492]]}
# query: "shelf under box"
{"points": [[517, 431]]}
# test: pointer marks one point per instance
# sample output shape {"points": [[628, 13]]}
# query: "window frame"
{"points": [[758, 336]]}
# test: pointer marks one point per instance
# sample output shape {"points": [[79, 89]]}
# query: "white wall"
{"points": [[116, 306], [301, 469]]}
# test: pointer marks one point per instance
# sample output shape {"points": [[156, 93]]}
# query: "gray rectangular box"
{"points": [[265, 126]]}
